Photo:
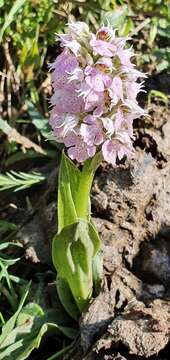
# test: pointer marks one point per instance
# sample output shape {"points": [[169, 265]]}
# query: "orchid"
{"points": [[96, 85], [94, 104]]}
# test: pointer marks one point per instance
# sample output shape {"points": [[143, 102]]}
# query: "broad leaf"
{"points": [[77, 241], [66, 298], [74, 190], [73, 250]]}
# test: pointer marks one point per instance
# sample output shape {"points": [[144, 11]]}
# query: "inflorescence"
{"points": [[95, 89]]}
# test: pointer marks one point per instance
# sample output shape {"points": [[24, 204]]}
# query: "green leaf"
{"points": [[1, 319], [77, 240], [6, 225], [68, 183], [41, 123], [152, 34], [163, 65], [159, 95], [66, 298], [74, 190], [72, 251], [74, 176], [8, 327], [117, 19], [30, 154], [4, 126], [32, 323], [15, 136], [31, 309], [1, 3], [19, 180], [6, 244], [97, 272], [128, 27], [11, 16], [94, 236]]}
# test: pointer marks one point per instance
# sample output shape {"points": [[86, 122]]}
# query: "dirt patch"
{"points": [[142, 331]]}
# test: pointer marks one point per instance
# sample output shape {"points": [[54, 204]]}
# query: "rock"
{"points": [[142, 331]]}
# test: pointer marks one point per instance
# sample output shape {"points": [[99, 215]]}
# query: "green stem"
{"points": [[82, 201], [85, 184]]}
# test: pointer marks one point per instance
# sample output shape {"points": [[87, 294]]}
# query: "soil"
{"points": [[130, 319]]}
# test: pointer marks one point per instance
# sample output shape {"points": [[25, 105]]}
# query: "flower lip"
{"points": [[78, 149], [102, 47], [91, 130]]}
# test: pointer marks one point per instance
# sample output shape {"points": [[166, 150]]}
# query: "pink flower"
{"points": [[119, 42], [108, 125], [76, 75], [116, 90], [101, 47], [117, 148], [92, 89], [132, 74], [62, 124], [106, 33], [128, 124], [96, 79], [134, 108], [92, 98], [78, 29], [133, 89], [119, 120], [91, 130], [78, 149], [105, 64], [66, 100], [71, 44], [125, 56], [95, 94], [123, 121], [100, 107], [63, 64]]}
